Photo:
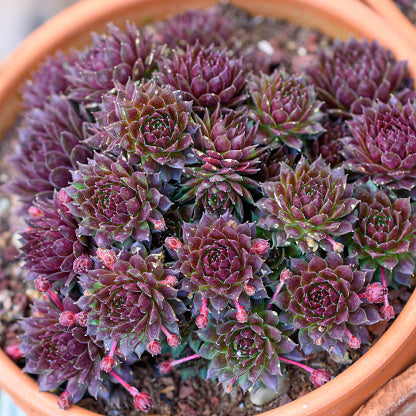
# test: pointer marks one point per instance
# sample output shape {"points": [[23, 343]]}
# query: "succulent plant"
{"points": [[113, 59], [382, 145], [218, 262], [145, 121], [205, 27], [139, 306], [385, 234], [48, 80], [285, 107], [322, 300], [205, 75], [245, 352], [311, 204], [115, 202], [51, 245], [50, 146], [226, 159], [59, 353], [351, 75]]}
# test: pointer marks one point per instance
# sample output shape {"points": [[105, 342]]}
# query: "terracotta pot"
{"points": [[337, 18], [394, 18], [396, 398]]}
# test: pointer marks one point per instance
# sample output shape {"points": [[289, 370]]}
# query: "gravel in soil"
{"points": [[286, 45]]}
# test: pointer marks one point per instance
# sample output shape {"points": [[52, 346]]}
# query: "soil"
{"points": [[287, 45], [408, 7]]}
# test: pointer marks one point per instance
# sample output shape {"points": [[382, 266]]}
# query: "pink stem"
{"points": [[113, 349], [304, 366], [165, 331], [130, 389], [278, 289], [204, 306], [349, 335], [383, 282], [183, 360], [238, 306], [55, 298]]}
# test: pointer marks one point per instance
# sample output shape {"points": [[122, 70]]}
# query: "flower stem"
{"points": [[132, 390], [384, 283], [55, 298], [304, 366], [184, 360], [113, 349]]}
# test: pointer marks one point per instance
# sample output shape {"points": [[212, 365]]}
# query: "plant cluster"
{"points": [[178, 201]]}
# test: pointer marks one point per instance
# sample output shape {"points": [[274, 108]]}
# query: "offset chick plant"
{"points": [[179, 202]]}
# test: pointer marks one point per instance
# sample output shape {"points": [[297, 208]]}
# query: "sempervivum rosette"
{"points": [[114, 202], [146, 121], [385, 234], [50, 79], [205, 27], [226, 158], [50, 146], [132, 303], [50, 243], [354, 74], [219, 262], [205, 75], [247, 352], [61, 353], [310, 204], [286, 108], [322, 300], [113, 58], [382, 145]]}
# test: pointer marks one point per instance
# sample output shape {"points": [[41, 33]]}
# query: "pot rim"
{"points": [[334, 17], [395, 18]]}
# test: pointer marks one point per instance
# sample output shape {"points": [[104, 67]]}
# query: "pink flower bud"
{"points": [[82, 318], [387, 312], [63, 198], [67, 318], [241, 316], [13, 351], [320, 377], [375, 292], [285, 274], [63, 401], [42, 284], [82, 264], [354, 342], [250, 290], [107, 256], [173, 340], [171, 280], [143, 402], [159, 224], [154, 347], [173, 243], [202, 321], [260, 247], [165, 367], [107, 364], [35, 212]]}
